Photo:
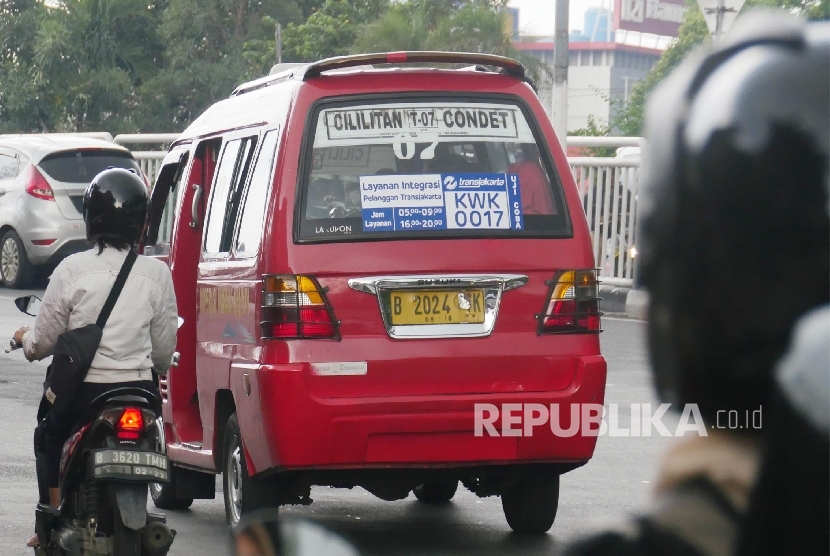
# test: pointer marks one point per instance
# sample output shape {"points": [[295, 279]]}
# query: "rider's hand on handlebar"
{"points": [[18, 336]]}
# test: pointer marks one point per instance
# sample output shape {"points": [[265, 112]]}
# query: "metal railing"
{"points": [[148, 161], [607, 185]]}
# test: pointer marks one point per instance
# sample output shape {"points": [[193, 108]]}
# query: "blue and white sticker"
{"points": [[441, 202]]}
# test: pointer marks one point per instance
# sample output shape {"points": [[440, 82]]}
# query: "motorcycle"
{"points": [[113, 454]]}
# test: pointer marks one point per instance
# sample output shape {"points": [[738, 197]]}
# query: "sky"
{"points": [[536, 16]]}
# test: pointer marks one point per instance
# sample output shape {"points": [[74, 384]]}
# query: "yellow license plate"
{"points": [[437, 307]]}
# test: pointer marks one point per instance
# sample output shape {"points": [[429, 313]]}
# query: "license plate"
{"points": [[436, 307], [129, 465]]}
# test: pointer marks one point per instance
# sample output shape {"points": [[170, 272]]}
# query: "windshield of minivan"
{"points": [[82, 165], [386, 169]]}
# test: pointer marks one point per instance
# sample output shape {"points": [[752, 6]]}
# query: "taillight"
{"points": [[37, 186], [295, 307], [130, 424], [573, 304]]}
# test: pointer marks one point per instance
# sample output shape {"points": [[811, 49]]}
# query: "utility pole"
{"points": [[560, 73], [278, 42]]}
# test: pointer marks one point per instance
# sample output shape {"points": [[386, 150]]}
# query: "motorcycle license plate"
{"points": [[130, 465], [437, 307]]}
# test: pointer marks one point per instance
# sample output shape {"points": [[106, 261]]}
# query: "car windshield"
{"points": [[80, 166], [386, 170]]}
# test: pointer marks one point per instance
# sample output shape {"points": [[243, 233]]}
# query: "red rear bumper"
{"points": [[297, 431]]}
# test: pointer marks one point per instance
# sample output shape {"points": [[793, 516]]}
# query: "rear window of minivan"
{"points": [[81, 166], [426, 167]]}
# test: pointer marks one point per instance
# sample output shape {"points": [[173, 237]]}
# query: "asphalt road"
{"points": [[617, 481]]}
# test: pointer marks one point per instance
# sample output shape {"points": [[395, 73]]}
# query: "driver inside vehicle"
{"points": [[325, 197], [353, 206]]}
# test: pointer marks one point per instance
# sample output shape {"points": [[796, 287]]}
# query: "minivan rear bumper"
{"points": [[298, 431]]}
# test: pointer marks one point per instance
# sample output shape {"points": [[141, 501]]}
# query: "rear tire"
{"points": [[125, 541], [436, 491], [15, 269], [242, 494], [530, 505], [164, 494]]}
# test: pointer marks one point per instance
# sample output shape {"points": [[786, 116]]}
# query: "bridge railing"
{"points": [[608, 187], [148, 160]]}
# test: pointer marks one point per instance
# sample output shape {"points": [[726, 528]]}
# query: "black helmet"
{"points": [[115, 206], [734, 233]]}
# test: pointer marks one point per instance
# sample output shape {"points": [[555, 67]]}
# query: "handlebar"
{"points": [[13, 346]]}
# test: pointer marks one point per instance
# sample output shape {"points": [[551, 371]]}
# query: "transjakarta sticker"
{"points": [[410, 122], [441, 202]]}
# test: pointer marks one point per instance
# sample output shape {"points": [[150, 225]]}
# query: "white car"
{"points": [[42, 183]]}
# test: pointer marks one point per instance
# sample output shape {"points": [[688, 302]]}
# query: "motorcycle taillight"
{"points": [[130, 424]]}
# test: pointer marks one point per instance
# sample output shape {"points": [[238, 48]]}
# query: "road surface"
{"points": [[617, 481]]}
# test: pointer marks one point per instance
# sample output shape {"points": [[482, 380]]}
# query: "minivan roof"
{"points": [[480, 62], [252, 103]]}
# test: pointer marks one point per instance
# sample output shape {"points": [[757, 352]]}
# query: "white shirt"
{"points": [[141, 331]]}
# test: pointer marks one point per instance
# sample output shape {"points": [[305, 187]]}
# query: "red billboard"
{"points": [[657, 17]]}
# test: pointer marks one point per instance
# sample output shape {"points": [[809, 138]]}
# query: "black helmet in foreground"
{"points": [[733, 244], [115, 206]]}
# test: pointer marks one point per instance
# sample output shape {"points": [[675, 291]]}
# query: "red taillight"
{"points": [[573, 304], [130, 424], [37, 186], [295, 307], [43, 241]]}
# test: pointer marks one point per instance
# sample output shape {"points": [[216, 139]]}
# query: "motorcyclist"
{"points": [[140, 334], [733, 249]]}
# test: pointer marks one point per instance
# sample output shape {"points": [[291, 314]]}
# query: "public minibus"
{"points": [[386, 280]]}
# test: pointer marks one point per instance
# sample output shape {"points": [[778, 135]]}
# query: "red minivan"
{"points": [[380, 269]]}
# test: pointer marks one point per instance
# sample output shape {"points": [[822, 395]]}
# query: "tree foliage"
{"points": [[331, 30], [461, 25], [76, 64], [121, 65], [448, 25], [204, 56], [19, 21], [594, 128]]}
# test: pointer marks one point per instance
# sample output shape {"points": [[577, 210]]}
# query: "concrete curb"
{"points": [[630, 302]]}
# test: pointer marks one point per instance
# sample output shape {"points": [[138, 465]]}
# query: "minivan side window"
{"points": [[233, 167], [256, 198]]}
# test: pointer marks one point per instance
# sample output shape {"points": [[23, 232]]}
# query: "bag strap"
{"points": [[116, 288]]}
